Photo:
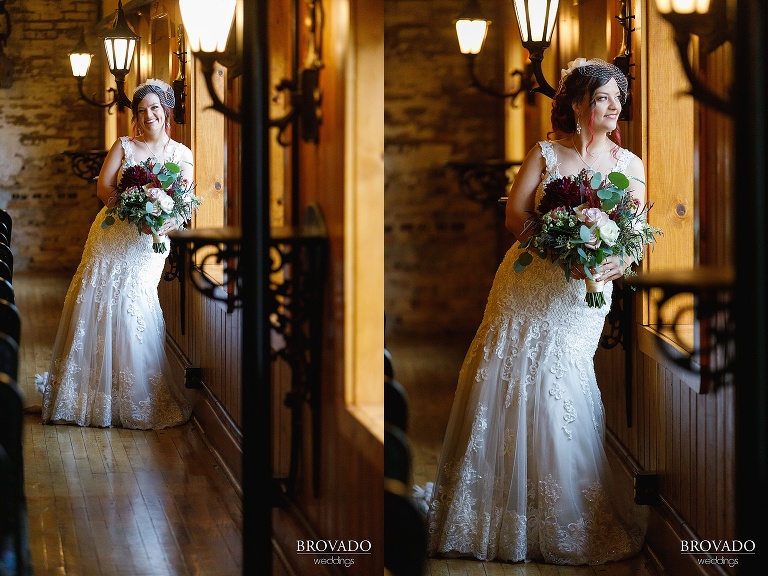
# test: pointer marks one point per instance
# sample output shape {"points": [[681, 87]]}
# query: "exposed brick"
{"points": [[440, 248], [40, 117]]}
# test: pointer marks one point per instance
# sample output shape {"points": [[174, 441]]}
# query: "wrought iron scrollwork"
{"points": [[86, 164], [713, 356], [484, 182], [297, 279], [201, 247]]}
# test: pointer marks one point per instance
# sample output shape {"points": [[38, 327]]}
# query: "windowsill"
{"points": [[363, 425], [667, 352], [371, 416]]}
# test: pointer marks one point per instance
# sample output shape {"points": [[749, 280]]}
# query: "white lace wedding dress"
{"points": [[109, 365], [523, 474]]}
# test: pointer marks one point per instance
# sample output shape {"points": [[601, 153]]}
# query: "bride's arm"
{"points": [[520, 204], [636, 173], [107, 182]]}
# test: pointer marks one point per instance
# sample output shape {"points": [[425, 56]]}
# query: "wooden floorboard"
{"points": [[428, 369], [117, 502]]}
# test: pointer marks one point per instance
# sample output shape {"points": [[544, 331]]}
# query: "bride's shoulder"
{"points": [[182, 151], [626, 157]]}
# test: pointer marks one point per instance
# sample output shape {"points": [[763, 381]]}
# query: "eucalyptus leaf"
{"points": [[619, 180], [150, 207], [172, 167], [597, 178], [584, 233], [581, 252], [525, 258]]}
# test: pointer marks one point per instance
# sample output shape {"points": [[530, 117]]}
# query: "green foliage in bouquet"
{"points": [[149, 194], [583, 219]]}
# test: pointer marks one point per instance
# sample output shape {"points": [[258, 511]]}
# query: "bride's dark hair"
{"points": [[574, 88]]}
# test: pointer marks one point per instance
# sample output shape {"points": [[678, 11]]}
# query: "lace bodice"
{"points": [[174, 153]]}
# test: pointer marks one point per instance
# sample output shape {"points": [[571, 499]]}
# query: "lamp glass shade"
{"points": [[207, 23], [536, 19], [119, 54], [80, 58], [471, 35], [120, 44], [80, 63], [683, 6]]}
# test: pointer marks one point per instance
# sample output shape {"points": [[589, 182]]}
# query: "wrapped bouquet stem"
{"points": [[583, 219], [157, 243], [595, 297]]}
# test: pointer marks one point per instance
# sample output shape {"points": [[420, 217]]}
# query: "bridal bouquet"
{"points": [[149, 194], [585, 218]]}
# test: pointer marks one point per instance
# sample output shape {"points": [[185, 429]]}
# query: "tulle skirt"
{"points": [[109, 365], [523, 474]]}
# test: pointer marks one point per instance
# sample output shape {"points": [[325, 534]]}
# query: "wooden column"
{"points": [[751, 313], [254, 263]]}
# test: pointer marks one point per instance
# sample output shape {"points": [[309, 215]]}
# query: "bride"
{"points": [[109, 366], [523, 473]]}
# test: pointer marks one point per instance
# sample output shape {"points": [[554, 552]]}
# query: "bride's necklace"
{"points": [[154, 154], [573, 143]]}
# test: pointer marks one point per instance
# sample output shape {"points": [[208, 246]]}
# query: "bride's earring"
{"points": [[611, 132], [578, 128]]}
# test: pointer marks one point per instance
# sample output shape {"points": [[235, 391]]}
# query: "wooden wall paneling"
{"points": [[654, 417], [694, 447], [657, 380], [727, 411], [639, 418], [669, 421], [704, 449]]}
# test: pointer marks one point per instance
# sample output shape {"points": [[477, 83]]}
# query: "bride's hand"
{"points": [[611, 269], [169, 226]]}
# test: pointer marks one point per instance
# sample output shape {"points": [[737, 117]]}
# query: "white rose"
{"points": [[166, 203], [609, 232]]}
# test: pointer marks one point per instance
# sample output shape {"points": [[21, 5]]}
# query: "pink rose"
{"points": [[591, 216], [152, 193]]}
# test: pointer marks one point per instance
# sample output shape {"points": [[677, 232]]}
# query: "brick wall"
{"points": [[41, 116], [440, 248]]}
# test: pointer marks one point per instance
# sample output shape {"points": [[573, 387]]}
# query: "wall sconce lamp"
{"points": [[709, 21], [536, 21], [119, 46], [208, 25]]}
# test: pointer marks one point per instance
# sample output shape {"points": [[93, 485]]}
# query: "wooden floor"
{"points": [[109, 502], [428, 370]]}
